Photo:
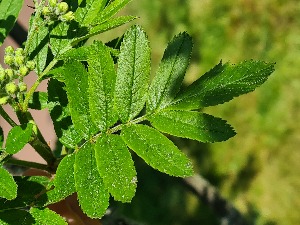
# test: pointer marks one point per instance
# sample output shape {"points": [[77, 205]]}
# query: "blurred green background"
{"points": [[258, 169]]}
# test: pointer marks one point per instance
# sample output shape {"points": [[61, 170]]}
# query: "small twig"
{"points": [[7, 117], [28, 164], [208, 194]]}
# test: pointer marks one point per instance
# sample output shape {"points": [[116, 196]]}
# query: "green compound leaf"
{"points": [[223, 83], [133, 74], [60, 114], [116, 167], [112, 9], [171, 71], [18, 137], [9, 11], [64, 181], [92, 195], [193, 125], [38, 49], [157, 150], [88, 10], [76, 80], [8, 187], [16, 217], [46, 216], [102, 78]]}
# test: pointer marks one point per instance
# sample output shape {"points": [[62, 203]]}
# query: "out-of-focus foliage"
{"points": [[258, 170]]}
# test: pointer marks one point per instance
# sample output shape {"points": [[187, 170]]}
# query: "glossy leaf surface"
{"points": [[193, 125], [18, 137], [171, 71], [133, 74], [92, 194], [116, 167], [9, 11], [223, 83], [8, 187], [157, 150]]}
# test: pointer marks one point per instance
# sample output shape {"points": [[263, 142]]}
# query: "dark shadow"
{"points": [[7, 24]]}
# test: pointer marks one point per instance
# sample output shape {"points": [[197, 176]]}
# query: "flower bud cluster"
{"points": [[11, 79], [58, 10]]}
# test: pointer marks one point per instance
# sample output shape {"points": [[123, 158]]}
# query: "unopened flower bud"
{"points": [[19, 51], [22, 87], [10, 73], [62, 8], [2, 76], [52, 3], [23, 70], [11, 88], [9, 60], [69, 16], [9, 50], [46, 11], [4, 100], [30, 65], [19, 60]]}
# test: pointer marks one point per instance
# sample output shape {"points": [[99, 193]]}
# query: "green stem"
{"points": [[36, 84], [38, 143], [7, 117], [28, 164]]}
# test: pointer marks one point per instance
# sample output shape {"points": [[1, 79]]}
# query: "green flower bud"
{"points": [[19, 52], [23, 70], [10, 73], [4, 100], [11, 88], [62, 8], [2, 75], [19, 60], [69, 16], [9, 60], [9, 50], [52, 3], [30, 65], [46, 11], [22, 87]]}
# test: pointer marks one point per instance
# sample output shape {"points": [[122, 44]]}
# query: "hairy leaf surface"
{"points": [[102, 78], [16, 217], [18, 137], [113, 8], [46, 216], [92, 195], [116, 167], [64, 181], [88, 10], [39, 100], [193, 125], [60, 114], [8, 187], [157, 150], [133, 74], [9, 11], [223, 83], [76, 79], [171, 71]]}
